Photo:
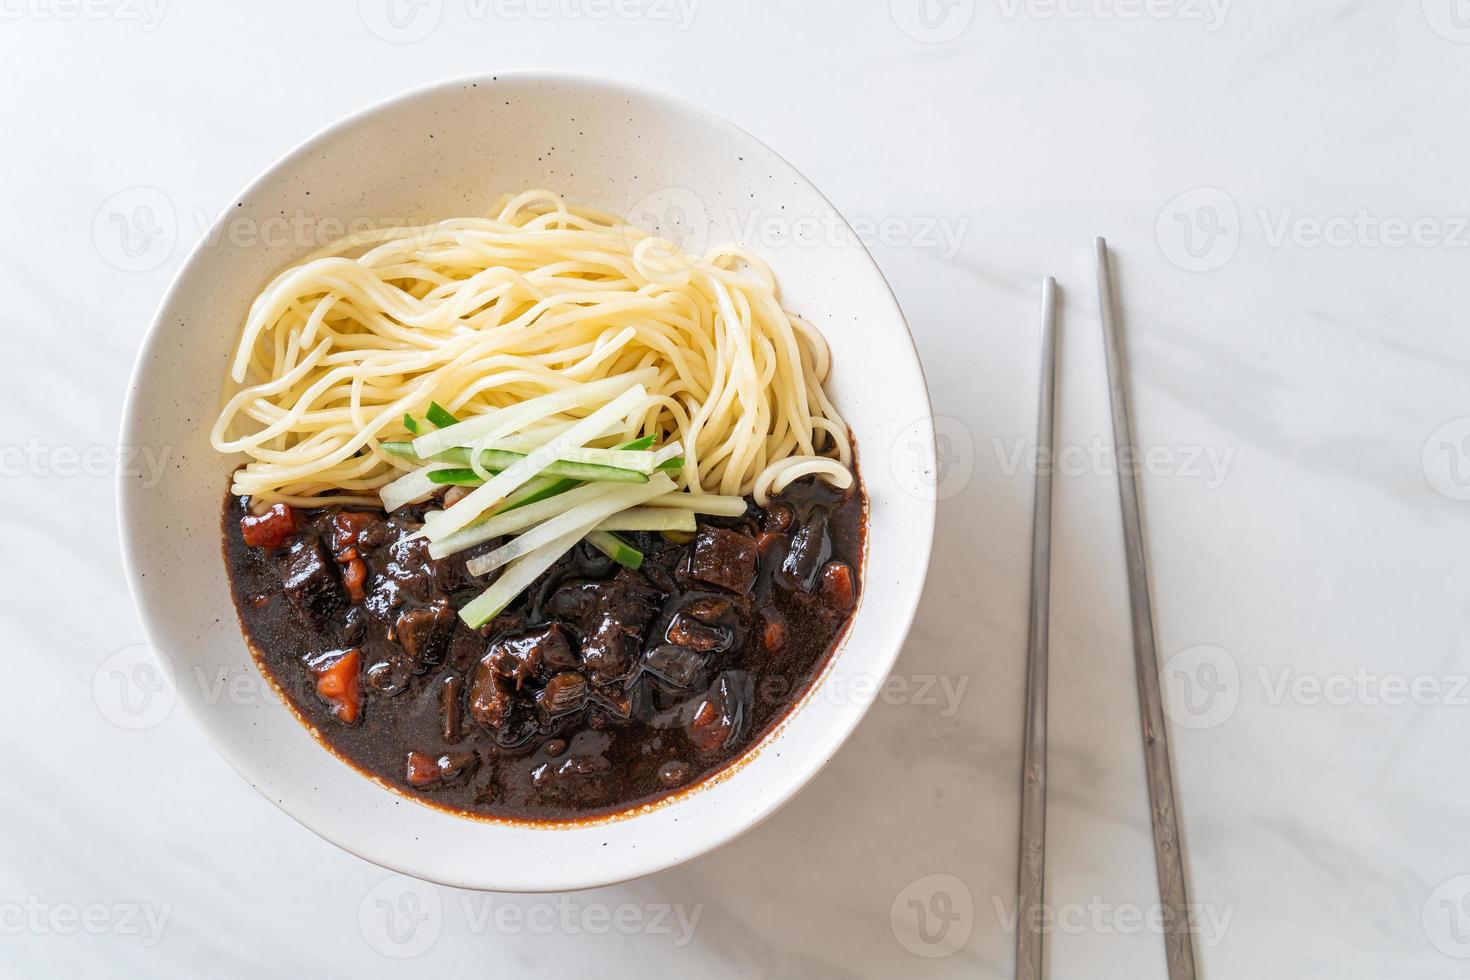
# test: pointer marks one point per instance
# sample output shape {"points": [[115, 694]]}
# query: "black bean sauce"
{"points": [[599, 689]]}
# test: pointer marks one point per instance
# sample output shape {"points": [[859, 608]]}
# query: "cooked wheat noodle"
{"points": [[481, 313]]}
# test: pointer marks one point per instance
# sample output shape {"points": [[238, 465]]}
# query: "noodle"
{"points": [[481, 313]]}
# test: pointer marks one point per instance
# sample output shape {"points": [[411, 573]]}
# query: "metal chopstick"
{"points": [[1032, 874], [1168, 854]]}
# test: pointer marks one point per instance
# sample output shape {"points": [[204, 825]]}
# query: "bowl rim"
{"points": [[907, 596]]}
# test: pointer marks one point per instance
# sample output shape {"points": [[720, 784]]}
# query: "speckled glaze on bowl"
{"points": [[448, 150]]}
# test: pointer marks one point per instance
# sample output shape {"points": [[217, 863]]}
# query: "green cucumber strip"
{"points": [[496, 460], [551, 489], [616, 548], [412, 424], [650, 519], [456, 478], [580, 510], [670, 465], [514, 580], [404, 449], [439, 416], [518, 514]]}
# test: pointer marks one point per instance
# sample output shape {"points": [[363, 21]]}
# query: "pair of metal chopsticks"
{"points": [[1168, 854]]}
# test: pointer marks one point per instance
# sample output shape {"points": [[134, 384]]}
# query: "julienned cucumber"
{"points": [[616, 548], [439, 416], [496, 460]]}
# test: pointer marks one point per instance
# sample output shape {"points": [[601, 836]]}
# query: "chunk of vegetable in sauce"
{"points": [[338, 683], [269, 530]]}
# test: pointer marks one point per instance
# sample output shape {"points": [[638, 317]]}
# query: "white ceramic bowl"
{"points": [[448, 150]]}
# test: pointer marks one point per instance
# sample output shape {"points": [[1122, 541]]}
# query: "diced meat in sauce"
{"points": [[492, 702], [520, 657], [838, 591], [598, 689], [424, 770], [724, 558], [677, 665], [719, 719], [705, 625], [388, 668], [309, 578], [354, 529], [425, 634], [565, 692], [778, 519], [811, 547], [612, 618]]}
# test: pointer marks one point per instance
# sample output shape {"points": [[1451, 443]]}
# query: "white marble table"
{"points": [[1284, 184]]}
